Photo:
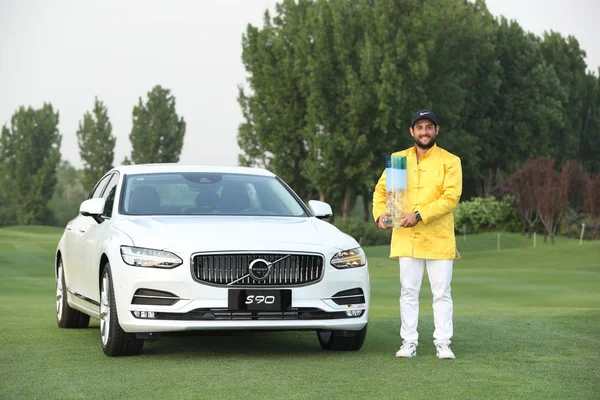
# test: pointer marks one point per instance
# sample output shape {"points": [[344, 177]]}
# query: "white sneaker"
{"points": [[407, 350], [443, 351]]}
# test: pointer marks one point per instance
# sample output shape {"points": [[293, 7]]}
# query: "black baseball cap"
{"points": [[423, 114]]}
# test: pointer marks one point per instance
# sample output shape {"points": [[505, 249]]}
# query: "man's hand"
{"points": [[408, 221], [380, 221]]}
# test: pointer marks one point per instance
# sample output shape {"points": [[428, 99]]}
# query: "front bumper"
{"points": [[311, 305]]}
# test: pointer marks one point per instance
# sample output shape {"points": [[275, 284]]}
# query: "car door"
{"points": [[75, 254], [92, 241]]}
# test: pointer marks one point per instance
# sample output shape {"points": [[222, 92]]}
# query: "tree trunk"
{"points": [[346, 207], [488, 182], [366, 209]]}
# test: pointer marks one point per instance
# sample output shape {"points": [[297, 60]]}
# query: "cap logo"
{"points": [[424, 113]]}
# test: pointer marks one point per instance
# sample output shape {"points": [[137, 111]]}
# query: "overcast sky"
{"points": [[67, 52]]}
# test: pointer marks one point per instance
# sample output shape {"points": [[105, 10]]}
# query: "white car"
{"points": [[169, 247]]}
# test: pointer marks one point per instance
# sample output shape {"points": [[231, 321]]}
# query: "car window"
{"points": [[99, 187], [208, 194], [109, 195]]}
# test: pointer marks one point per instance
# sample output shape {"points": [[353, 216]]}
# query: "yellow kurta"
{"points": [[434, 189]]}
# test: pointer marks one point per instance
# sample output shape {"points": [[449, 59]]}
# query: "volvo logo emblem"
{"points": [[259, 269]]}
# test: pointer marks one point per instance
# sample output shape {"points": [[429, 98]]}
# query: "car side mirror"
{"points": [[320, 209], [93, 208]]}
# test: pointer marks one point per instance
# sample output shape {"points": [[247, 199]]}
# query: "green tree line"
{"points": [[332, 85], [36, 187]]}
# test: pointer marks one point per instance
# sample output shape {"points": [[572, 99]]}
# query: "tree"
{"points": [[29, 156], [272, 135], [550, 188], [69, 192], [462, 85], [157, 132], [568, 61], [528, 108], [96, 144], [327, 94], [521, 185], [592, 201], [589, 145], [576, 179]]}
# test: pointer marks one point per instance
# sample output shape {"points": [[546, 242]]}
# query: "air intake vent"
{"points": [[350, 296], [154, 298]]}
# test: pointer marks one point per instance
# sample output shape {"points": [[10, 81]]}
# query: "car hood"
{"points": [[227, 233]]}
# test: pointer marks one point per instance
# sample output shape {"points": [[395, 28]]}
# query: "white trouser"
{"points": [[411, 276]]}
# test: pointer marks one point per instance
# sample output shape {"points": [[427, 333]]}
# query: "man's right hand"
{"points": [[380, 221]]}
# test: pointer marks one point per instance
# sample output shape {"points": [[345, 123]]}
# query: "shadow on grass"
{"points": [[498, 337], [219, 343]]}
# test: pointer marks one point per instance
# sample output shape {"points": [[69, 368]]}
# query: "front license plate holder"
{"points": [[259, 299]]}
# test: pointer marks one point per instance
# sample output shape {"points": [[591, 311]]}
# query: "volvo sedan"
{"points": [[167, 247]]}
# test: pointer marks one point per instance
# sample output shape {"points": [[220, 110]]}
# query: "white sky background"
{"points": [[66, 52]]}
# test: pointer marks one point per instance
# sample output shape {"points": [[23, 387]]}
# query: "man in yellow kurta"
{"points": [[425, 238]]}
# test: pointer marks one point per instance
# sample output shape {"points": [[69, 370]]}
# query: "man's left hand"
{"points": [[408, 221]]}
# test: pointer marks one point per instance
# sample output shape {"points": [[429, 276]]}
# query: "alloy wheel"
{"points": [[59, 293], [105, 309]]}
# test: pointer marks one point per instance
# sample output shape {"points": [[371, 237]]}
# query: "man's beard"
{"points": [[425, 146]]}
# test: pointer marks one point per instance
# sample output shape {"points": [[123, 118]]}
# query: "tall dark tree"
{"points": [[29, 156], [529, 106], [157, 132], [589, 144], [568, 61], [327, 93], [272, 134], [462, 85], [96, 144]]}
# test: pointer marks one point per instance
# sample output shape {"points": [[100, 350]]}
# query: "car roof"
{"points": [[165, 167]]}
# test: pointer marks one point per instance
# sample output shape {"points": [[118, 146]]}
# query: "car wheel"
{"points": [[67, 317], [342, 340], [114, 340]]}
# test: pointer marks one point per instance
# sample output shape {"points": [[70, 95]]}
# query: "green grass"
{"points": [[527, 326]]}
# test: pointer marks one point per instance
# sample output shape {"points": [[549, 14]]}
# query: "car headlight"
{"points": [[349, 258], [142, 257]]}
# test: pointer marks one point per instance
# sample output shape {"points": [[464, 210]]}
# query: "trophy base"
{"points": [[392, 222]]}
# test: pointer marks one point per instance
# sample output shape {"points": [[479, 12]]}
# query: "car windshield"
{"points": [[197, 193]]}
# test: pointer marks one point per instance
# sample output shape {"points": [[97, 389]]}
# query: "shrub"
{"points": [[487, 213]]}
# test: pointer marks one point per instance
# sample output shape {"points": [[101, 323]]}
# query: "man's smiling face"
{"points": [[424, 132]]}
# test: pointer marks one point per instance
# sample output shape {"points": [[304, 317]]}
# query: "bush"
{"points": [[487, 213]]}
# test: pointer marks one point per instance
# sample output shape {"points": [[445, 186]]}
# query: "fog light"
{"points": [[144, 314], [354, 313]]}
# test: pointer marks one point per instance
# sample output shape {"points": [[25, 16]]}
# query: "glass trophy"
{"points": [[395, 186]]}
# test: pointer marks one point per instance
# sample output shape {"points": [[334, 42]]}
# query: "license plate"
{"points": [[259, 300]]}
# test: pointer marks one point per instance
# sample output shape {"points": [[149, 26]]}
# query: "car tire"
{"points": [[67, 317], [342, 340], [114, 340]]}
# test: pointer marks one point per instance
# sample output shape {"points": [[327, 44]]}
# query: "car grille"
{"points": [[232, 269]]}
